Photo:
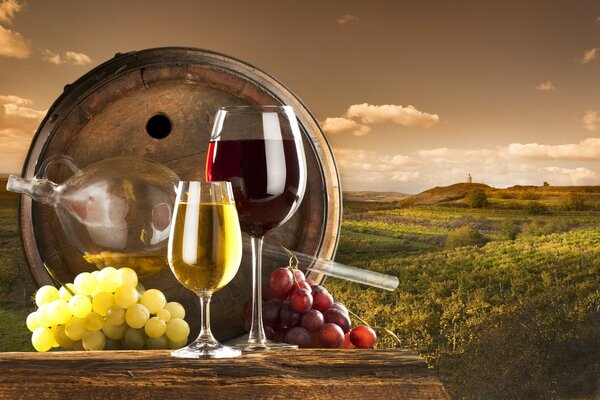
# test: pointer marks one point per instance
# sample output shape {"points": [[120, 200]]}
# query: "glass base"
{"points": [[263, 346], [206, 350]]}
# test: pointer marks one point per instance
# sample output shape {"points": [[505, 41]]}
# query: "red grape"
{"points": [[279, 335], [331, 336], [347, 343], [300, 285], [289, 318], [301, 301], [311, 282], [281, 282], [315, 343], [299, 275], [336, 316], [267, 293], [317, 289], [298, 336], [340, 306], [312, 320], [269, 332], [271, 310], [322, 300], [363, 336]]}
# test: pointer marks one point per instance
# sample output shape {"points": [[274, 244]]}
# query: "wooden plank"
{"points": [[302, 374]]}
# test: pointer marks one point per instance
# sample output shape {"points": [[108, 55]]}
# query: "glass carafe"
{"points": [[117, 212]]}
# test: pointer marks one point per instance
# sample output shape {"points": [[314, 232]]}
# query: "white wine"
{"points": [[205, 248]]}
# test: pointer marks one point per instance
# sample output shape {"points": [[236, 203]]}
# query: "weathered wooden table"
{"points": [[303, 374]]}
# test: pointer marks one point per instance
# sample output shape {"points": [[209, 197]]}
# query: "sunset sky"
{"points": [[410, 94]]}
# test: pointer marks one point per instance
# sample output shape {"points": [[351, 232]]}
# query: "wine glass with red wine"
{"points": [[259, 150]]}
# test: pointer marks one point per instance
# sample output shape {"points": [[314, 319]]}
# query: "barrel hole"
{"points": [[159, 126]]}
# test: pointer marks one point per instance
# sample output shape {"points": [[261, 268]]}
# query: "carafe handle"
{"points": [[52, 160]]}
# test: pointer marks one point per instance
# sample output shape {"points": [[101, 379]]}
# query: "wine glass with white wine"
{"points": [[205, 250]]}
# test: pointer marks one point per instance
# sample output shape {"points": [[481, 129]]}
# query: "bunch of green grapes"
{"points": [[106, 309]]}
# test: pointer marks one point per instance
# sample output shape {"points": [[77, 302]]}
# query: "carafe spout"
{"points": [[41, 190]]}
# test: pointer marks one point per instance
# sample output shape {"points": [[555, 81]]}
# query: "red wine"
{"points": [[268, 179]]}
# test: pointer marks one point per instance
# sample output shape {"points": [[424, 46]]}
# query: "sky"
{"points": [[410, 94]]}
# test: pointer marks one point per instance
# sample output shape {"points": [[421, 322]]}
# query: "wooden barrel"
{"points": [[106, 113]]}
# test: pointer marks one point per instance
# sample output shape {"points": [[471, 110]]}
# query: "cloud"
{"points": [[347, 19], [8, 9], [18, 122], [589, 55], [545, 86], [13, 44], [408, 116], [369, 170], [359, 117], [576, 176], [69, 57], [591, 120], [588, 149], [341, 125]]}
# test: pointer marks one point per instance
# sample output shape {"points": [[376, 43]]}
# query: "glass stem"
{"points": [[205, 333], [257, 330]]}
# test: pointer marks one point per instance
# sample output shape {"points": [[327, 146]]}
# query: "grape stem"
{"points": [[383, 328], [56, 280]]}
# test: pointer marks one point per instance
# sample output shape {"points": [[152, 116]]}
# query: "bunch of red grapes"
{"points": [[298, 311]]}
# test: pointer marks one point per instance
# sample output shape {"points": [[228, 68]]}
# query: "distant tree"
{"points": [[546, 183], [477, 199], [465, 236]]}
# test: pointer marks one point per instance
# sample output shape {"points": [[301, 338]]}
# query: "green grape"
{"points": [[111, 344], [177, 330], [58, 312], [134, 339], [42, 316], [45, 295], [93, 341], [109, 279], [75, 328], [115, 332], [115, 315], [85, 283], [164, 315], [78, 346], [61, 337], [54, 342], [177, 345], [175, 309], [128, 277], [136, 316], [154, 300], [31, 322], [157, 343], [126, 296], [80, 305], [64, 294], [93, 322], [42, 339], [102, 302], [155, 327]]}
